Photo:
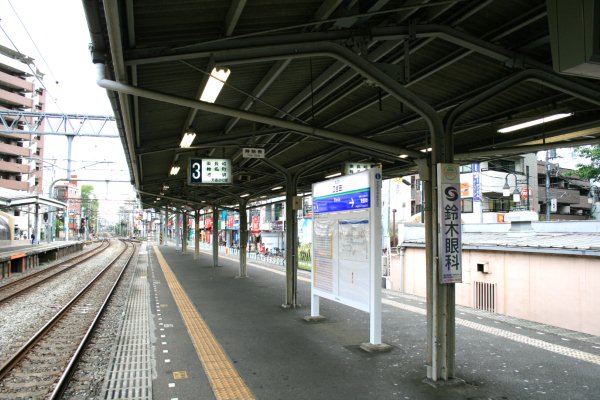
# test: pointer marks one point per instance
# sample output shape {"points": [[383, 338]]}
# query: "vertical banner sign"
{"points": [[476, 169], [449, 234]]}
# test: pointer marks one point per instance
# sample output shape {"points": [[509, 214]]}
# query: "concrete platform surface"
{"points": [[279, 355]]}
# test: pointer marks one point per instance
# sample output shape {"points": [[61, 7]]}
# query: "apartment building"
{"points": [[20, 154]]}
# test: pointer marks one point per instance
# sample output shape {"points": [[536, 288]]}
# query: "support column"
{"points": [[291, 248], [177, 231], [196, 234], [440, 297], [215, 237], [66, 215], [243, 238], [166, 227], [184, 231], [291, 236], [36, 223]]}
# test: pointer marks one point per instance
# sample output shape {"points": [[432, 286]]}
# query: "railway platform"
{"points": [[217, 336], [22, 256]]}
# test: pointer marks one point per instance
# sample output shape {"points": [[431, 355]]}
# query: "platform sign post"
{"points": [[450, 233], [347, 247]]}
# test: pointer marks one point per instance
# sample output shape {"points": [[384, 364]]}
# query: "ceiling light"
{"points": [[277, 188], [427, 150], [245, 195], [187, 140], [534, 122], [403, 156], [175, 170], [214, 84], [333, 175], [165, 187]]}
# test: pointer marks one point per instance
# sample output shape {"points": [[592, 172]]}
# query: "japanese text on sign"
{"points": [[450, 247]]}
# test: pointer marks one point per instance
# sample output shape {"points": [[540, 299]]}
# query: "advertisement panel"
{"points": [[450, 233]]}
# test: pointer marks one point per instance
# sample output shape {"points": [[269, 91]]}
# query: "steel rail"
{"points": [[37, 337], [63, 382]]}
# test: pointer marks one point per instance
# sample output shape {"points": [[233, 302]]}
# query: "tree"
{"points": [[589, 171], [89, 206]]}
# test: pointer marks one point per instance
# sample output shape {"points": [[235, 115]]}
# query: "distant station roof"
{"points": [[15, 198], [539, 242]]}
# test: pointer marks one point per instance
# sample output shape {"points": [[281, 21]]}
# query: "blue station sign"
{"points": [[344, 201]]}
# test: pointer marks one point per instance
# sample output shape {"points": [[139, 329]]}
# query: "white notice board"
{"points": [[347, 244]]}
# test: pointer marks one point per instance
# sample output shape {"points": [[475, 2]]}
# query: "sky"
{"points": [[56, 36]]}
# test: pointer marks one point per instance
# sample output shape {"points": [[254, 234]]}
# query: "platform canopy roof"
{"points": [[16, 198], [316, 83]]}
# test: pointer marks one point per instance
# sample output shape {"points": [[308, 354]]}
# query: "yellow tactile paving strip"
{"points": [[224, 379]]}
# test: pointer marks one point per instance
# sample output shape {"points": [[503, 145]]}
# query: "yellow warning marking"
{"points": [[180, 375], [224, 379]]}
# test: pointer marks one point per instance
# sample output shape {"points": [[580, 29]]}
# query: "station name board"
{"points": [[209, 171]]}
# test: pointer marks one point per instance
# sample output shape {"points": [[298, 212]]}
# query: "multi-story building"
{"points": [[20, 154], [569, 196], [70, 194]]}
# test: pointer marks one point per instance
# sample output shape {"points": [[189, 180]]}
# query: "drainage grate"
{"points": [[131, 375], [485, 296]]}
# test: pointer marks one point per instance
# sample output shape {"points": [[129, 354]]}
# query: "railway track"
{"points": [[20, 286], [41, 366]]}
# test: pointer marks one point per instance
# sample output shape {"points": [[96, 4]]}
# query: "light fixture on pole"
{"points": [[215, 83], [187, 139], [506, 189]]}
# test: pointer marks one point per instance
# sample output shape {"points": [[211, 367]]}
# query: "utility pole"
{"points": [[547, 188], [527, 188]]}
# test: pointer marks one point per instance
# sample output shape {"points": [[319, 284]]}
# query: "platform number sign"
{"points": [[209, 171], [450, 235]]}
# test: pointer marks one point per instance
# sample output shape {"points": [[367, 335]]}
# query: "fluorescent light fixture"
{"points": [[403, 156], [175, 170], [165, 187], [215, 84], [187, 140], [534, 122], [333, 175], [277, 188], [245, 195], [427, 150]]}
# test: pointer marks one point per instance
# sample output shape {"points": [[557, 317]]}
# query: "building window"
{"points": [[501, 165], [465, 169], [496, 205], [466, 205]]}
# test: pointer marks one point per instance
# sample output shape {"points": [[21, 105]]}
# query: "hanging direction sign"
{"points": [[209, 171]]}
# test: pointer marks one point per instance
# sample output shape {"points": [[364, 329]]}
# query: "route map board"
{"points": [[347, 244]]}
